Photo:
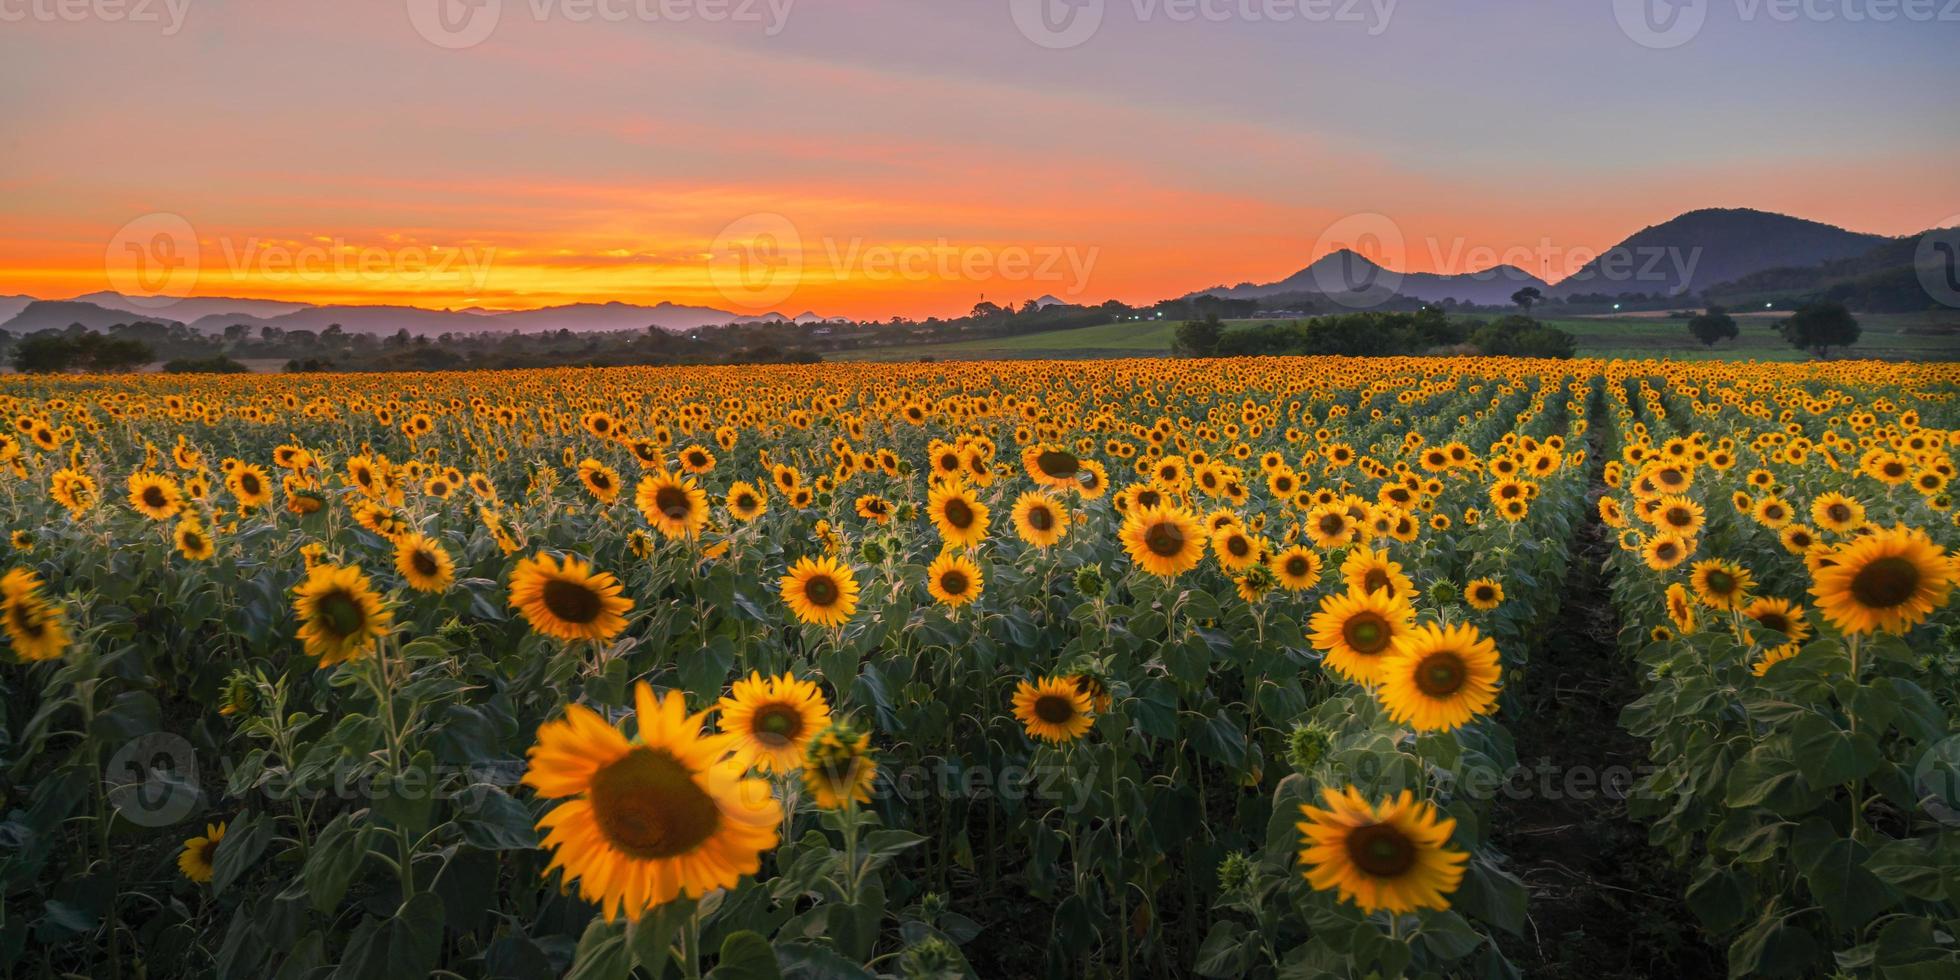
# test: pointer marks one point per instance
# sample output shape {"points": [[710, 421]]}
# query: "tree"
{"points": [[1713, 325], [1521, 336], [1818, 327], [1527, 297], [1199, 338], [43, 355]]}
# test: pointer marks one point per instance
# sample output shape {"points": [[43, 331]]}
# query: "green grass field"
{"points": [[1889, 336]]}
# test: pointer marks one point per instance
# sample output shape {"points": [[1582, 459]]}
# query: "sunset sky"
{"points": [[908, 155]]}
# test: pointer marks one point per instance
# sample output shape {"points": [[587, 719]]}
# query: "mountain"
{"points": [[1049, 300], [580, 317], [1714, 245], [1894, 277], [47, 314], [12, 305], [191, 308], [1347, 272]]}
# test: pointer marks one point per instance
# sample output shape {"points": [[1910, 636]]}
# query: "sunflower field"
{"points": [[1113, 669]]}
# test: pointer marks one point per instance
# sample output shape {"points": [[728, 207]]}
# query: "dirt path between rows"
{"points": [[1604, 903]]}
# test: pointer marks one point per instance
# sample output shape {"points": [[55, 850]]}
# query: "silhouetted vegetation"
{"points": [[1713, 325], [1818, 327], [49, 352], [204, 365], [1377, 333]]}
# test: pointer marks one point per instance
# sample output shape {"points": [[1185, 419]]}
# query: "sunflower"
{"points": [[340, 614], [155, 495], [1837, 513], [1797, 538], [1054, 709], [1039, 519], [1393, 856], [1236, 550], [745, 501], [250, 485], [1681, 608], [191, 540], [200, 853], [1439, 678], [1484, 594], [954, 579], [1050, 466], [1164, 540], [1297, 568], [1368, 570], [1665, 550], [673, 505], [820, 591], [874, 508], [838, 767], [1888, 581], [601, 481], [1329, 526], [423, 563], [1773, 656], [1782, 616], [35, 626], [1772, 512], [569, 601], [649, 820], [1358, 629], [1721, 584], [1679, 515], [959, 515], [73, 490], [772, 720]]}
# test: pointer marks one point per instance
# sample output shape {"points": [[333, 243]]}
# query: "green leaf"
{"points": [[1719, 899], [1830, 756], [492, 820], [406, 798], [406, 945], [651, 939], [1223, 953], [602, 953], [1774, 948], [1448, 936], [745, 955], [1834, 868], [245, 841], [330, 866]]}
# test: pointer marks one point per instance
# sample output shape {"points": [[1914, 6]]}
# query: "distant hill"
{"points": [[1716, 245], [43, 314], [1885, 279], [214, 315], [1349, 273]]}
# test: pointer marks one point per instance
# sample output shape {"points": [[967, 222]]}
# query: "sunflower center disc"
{"points": [[953, 583], [1164, 539], [153, 496], [820, 590], [1367, 633], [1054, 709], [423, 563], [571, 601], [671, 501], [777, 725], [1296, 566], [1239, 547], [958, 513], [1886, 582], [1381, 850], [1440, 674], [1057, 464], [1721, 583], [1375, 579], [341, 613], [1040, 519], [648, 805]]}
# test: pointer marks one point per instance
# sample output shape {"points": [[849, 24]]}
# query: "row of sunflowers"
{"points": [[1784, 564], [1123, 668]]}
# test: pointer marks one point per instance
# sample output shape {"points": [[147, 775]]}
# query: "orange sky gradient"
{"points": [[562, 162]]}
